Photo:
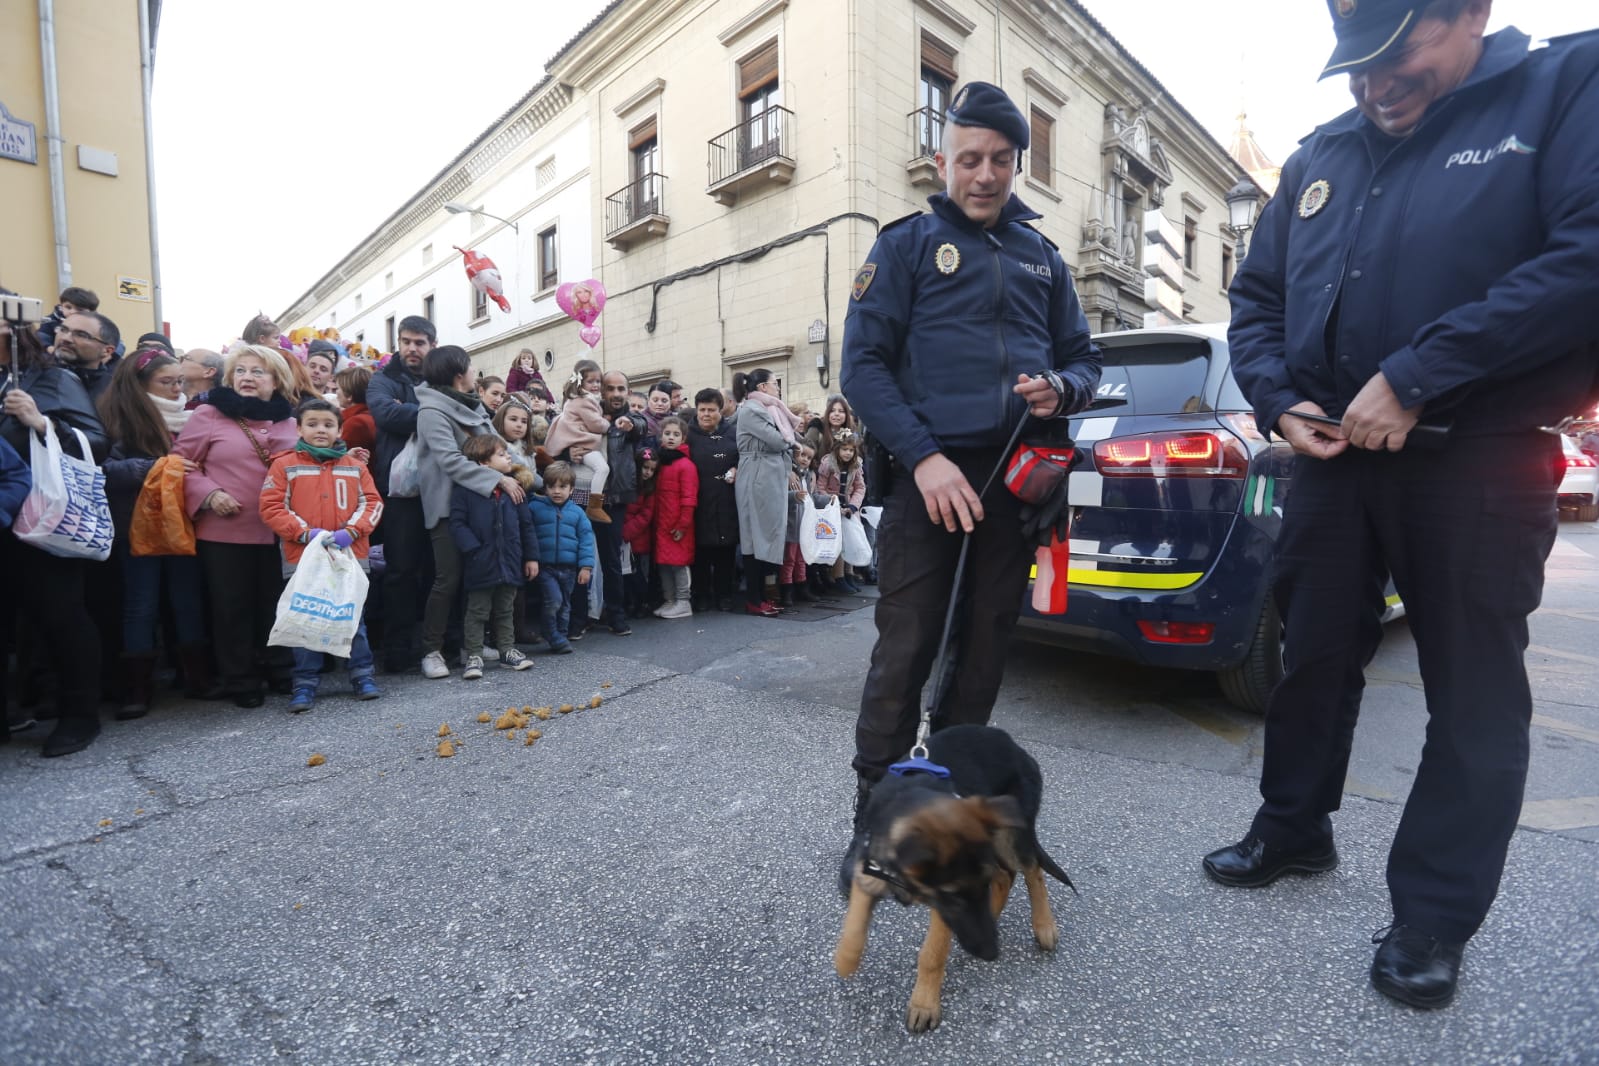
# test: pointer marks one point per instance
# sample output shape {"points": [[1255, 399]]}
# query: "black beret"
{"points": [[1367, 30], [980, 104]]}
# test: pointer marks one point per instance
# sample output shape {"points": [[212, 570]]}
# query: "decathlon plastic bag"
{"points": [[857, 549], [819, 532], [66, 512], [321, 607]]}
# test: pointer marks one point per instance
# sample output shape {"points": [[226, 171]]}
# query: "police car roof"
{"points": [[1199, 331]]}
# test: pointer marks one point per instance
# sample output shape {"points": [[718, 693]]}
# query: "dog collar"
{"points": [[871, 868], [918, 765]]}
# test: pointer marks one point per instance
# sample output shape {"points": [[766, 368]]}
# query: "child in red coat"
{"points": [[677, 492], [638, 530]]}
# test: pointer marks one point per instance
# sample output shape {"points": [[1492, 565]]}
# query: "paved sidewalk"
{"points": [[654, 882]]}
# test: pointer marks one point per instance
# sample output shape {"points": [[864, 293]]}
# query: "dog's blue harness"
{"points": [[918, 764]]}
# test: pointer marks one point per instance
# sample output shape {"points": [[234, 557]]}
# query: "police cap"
{"points": [[1367, 30], [980, 104]]}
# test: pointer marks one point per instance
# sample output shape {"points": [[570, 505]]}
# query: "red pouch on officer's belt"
{"points": [[1036, 471]]}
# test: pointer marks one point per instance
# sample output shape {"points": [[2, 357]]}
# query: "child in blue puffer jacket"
{"points": [[566, 552]]}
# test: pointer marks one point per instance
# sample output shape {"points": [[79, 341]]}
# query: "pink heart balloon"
{"points": [[582, 300], [590, 335]]}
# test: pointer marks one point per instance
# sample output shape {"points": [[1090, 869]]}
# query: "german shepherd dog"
{"points": [[953, 844]]}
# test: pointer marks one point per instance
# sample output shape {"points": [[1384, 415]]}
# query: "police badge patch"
{"points": [[947, 259], [863, 280], [1314, 198], [1345, 8]]}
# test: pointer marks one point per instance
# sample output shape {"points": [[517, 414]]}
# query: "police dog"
{"points": [[953, 844]]}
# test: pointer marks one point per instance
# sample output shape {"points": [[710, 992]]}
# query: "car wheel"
{"points": [[1588, 512], [1248, 685]]}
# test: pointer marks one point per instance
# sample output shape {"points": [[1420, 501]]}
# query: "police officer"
{"points": [[1430, 260], [961, 322]]}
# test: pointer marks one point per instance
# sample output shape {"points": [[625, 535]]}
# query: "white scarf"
{"points": [[172, 412]]}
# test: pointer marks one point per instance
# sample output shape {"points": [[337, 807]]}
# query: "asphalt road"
{"points": [[653, 881]]}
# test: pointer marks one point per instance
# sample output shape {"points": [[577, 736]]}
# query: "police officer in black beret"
{"points": [[961, 323], [1430, 260]]}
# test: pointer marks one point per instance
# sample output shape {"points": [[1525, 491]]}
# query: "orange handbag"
{"points": [[161, 524]]}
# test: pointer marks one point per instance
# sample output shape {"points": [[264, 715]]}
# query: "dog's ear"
{"points": [[1002, 812]]}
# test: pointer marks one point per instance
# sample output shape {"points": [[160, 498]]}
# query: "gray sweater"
{"points": [[442, 424]]}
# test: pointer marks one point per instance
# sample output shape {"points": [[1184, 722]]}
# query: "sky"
{"points": [[286, 132]]}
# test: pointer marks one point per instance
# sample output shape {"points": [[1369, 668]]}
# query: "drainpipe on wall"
{"points": [[147, 78], [52, 140]]}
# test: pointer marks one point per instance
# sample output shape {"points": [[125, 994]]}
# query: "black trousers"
{"points": [[243, 583], [608, 552], [46, 593], [1464, 531], [407, 578], [713, 571], [916, 569]]}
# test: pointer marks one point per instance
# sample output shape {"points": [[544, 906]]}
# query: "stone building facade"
{"points": [[723, 166]]}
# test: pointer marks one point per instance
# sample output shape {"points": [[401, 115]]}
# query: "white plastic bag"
{"points": [[819, 536], [321, 607], [404, 480], [857, 549], [873, 515], [66, 512]]}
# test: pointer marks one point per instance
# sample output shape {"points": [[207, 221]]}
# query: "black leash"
{"points": [[919, 750]]}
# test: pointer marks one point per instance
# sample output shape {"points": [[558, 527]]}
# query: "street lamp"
{"points": [[455, 207], [1242, 203]]}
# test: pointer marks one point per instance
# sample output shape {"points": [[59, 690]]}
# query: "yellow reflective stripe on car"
{"points": [[1392, 601], [1123, 580]]}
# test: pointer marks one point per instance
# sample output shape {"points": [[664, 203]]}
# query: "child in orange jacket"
{"points": [[320, 488]]}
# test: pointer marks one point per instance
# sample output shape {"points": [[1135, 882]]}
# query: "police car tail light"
{"points": [[1159, 632], [1171, 454]]}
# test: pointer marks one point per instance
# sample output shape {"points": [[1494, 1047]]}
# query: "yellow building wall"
{"points": [[98, 80]]}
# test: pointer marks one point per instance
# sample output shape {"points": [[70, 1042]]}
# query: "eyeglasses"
{"points": [[82, 335], [167, 383]]}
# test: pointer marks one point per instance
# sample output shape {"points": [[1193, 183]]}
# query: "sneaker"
{"points": [[563, 648], [577, 631], [491, 655], [515, 660], [660, 612], [302, 700], [678, 609], [366, 688], [433, 666], [620, 628], [474, 668]]}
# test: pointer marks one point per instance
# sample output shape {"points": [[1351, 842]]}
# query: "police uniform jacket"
{"points": [[1462, 261], [943, 317]]}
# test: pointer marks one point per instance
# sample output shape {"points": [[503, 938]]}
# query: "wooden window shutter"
{"points": [[1043, 127], [938, 58], [757, 70], [641, 134]]}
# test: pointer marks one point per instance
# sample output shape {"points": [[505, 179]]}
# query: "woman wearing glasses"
{"points": [[231, 439], [143, 410]]}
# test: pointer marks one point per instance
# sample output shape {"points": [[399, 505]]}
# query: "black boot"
{"points": [[138, 684], [863, 794], [199, 679], [785, 596], [71, 734]]}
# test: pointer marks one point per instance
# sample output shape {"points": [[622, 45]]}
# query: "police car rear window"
{"points": [[1158, 378]]}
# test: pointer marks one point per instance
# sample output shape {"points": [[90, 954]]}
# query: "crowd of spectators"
{"points": [[525, 521]]}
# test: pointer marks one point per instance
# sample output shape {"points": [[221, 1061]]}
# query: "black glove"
{"points": [[1038, 475]]}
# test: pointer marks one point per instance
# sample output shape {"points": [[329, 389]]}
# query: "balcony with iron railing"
{"points": [[636, 211], [758, 151], [927, 139]]}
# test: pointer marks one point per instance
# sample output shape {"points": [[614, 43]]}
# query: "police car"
{"points": [[1177, 505], [1579, 481]]}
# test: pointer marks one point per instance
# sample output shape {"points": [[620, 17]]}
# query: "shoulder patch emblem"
{"points": [[947, 259], [863, 280], [1314, 198]]}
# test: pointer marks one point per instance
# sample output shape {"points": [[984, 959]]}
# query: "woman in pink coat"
{"points": [[232, 438]]}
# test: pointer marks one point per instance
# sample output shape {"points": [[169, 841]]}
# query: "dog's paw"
{"points": [[920, 1017], [1047, 934], [846, 962]]}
